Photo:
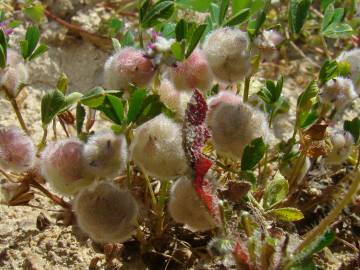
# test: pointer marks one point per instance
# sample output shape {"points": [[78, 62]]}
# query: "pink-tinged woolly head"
{"points": [[13, 75], [338, 92], [266, 44], [106, 213], [157, 148], [234, 124], [105, 154], [342, 144], [175, 100], [62, 165], [17, 150], [186, 207], [353, 58], [228, 53], [193, 72], [128, 66]]}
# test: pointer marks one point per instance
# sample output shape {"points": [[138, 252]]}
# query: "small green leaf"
{"points": [[224, 5], [325, 3], [62, 83], [298, 12], [161, 10], [304, 100], [32, 36], [255, 24], [308, 118], [127, 39], [248, 176], [2, 57], [113, 108], [316, 246], [181, 30], [286, 214], [24, 48], [177, 49], [94, 97], [276, 191], [328, 17], [342, 30], [353, 127], [3, 49], [151, 107], [71, 99], [52, 103], [80, 118], [136, 104], [252, 154], [328, 71], [39, 51], [238, 18], [35, 12], [195, 38]]}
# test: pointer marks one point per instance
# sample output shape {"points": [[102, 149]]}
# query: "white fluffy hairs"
{"points": [[186, 207], [353, 58], [62, 165], [234, 124], [105, 154], [228, 53], [338, 91], [157, 148], [106, 213], [17, 150]]}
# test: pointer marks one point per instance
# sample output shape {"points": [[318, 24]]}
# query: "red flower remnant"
{"points": [[195, 134], [241, 257]]}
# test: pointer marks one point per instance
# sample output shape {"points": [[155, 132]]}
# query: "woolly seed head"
{"points": [[194, 72], [106, 213], [266, 44], [342, 142], [176, 100], [62, 165], [17, 150], [353, 58], [234, 124], [186, 207], [105, 154], [157, 148], [338, 91], [228, 54], [128, 66], [15, 74]]}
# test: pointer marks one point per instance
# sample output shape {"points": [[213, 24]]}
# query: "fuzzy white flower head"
{"points": [[234, 124], [128, 66], [13, 75], [287, 168], [17, 150], [193, 72], [186, 207], [339, 91], [175, 100], [353, 58], [106, 213], [162, 44], [157, 148], [266, 44], [62, 165], [105, 154], [342, 142], [228, 53]]}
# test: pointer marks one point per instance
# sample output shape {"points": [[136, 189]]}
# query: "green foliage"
{"points": [[151, 15], [34, 12], [62, 83], [316, 246], [298, 12], [276, 191], [286, 214], [253, 153], [328, 71], [353, 127], [332, 25], [255, 24], [29, 46], [80, 118], [3, 49], [188, 35], [238, 18], [224, 5], [197, 5]]}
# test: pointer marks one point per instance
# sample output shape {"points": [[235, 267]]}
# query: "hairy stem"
{"points": [[331, 217], [246, 88], [152, 194]]}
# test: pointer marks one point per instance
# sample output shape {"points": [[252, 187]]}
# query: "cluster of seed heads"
{"points": [[341, 142]]}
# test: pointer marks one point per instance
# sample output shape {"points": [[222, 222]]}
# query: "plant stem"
{"points": [[358, 159], [141, 39], [331, 217], [42, 143], [326, 49], [246, 88], [152, 194]]}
